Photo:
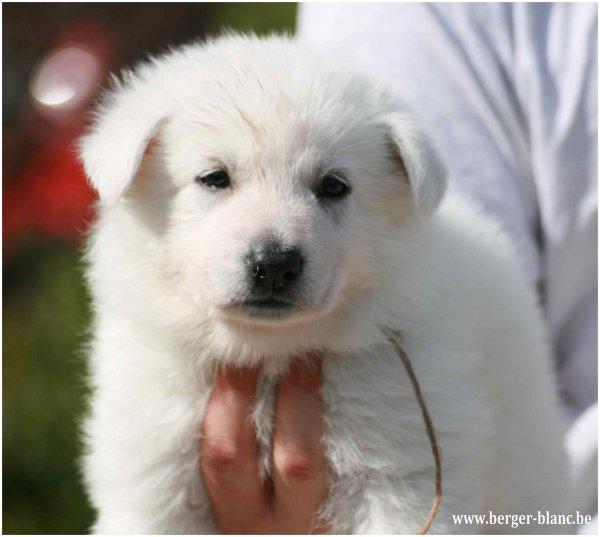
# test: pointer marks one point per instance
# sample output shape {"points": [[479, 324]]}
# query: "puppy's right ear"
{"points": [[425, 172], [113, 150]]}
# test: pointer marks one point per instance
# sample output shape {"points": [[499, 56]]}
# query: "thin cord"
{"points": [[435, 506]]}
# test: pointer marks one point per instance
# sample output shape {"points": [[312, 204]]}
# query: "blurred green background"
{"points": [[46, 209]]}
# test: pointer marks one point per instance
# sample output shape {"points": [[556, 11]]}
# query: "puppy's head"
{"points": [[269, 178]]}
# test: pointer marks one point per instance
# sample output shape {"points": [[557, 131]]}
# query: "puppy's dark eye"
{"points": [[218, 179], [332, 187]]}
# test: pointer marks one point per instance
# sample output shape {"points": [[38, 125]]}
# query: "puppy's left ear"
{"points": [[425, 172], [113, 150]]}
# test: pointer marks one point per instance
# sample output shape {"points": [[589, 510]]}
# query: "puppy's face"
{"points": [[268, 193], [268, 217]]}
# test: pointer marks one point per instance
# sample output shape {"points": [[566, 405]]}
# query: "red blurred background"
{"points": [[56, 60]]}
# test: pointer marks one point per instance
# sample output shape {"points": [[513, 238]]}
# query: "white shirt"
{"points": [[508, 93]]}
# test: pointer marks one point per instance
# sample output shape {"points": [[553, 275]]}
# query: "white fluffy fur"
{"points": [[164, 259]]}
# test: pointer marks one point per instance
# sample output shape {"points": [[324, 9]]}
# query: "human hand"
{"points": [[240, 502]]}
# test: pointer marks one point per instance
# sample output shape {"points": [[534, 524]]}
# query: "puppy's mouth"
{"points": [[265, 308], [276, 309]]}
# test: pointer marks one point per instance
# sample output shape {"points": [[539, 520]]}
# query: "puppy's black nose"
{"points": [[274, 268]]}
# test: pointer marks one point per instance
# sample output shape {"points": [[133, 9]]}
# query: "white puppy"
{"points": [[257, 202]]}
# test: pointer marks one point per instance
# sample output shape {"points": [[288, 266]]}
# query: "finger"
{"points": [[300, 480], [229, 455]]}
